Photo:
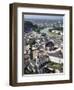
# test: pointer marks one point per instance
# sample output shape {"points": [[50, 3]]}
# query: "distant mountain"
{"points": [[45, 21]]}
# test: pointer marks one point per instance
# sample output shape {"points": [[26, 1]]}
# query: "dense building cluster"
{"points": [[43, 53]]}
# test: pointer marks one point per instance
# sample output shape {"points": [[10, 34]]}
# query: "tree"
{"points": [[28, 26], [50, 30], [35, 26]]}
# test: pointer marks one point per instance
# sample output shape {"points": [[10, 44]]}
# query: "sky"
{"points": [[48, 17]]}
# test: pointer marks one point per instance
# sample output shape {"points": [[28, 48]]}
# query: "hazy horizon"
{"points": [[43, 17]]}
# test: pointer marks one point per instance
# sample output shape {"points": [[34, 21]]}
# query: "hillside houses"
{"points": [[43, 50]]}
